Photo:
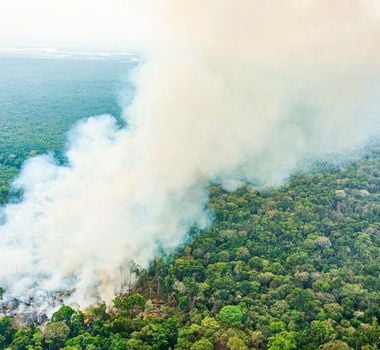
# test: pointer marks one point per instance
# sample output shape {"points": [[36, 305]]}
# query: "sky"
{"points": [[95, 23], [75, 23]]}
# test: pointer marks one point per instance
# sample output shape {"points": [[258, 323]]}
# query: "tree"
{"points": [[283, 341], [303, 300], [118, 343], [202, 344], [209, 326], [335, 345], [74, 319], [97, 312], [230, 316], [56, 333], [160, 334], [63, 314], [130, 303], [24, 338], [84, 341], [183, 302], [2, 342], [7, 329], [137, 344], [258, 340], [235, 343], [322, 332]]}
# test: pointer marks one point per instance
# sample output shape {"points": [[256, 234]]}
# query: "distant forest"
{"points": [[34, 118], [295, 267]]}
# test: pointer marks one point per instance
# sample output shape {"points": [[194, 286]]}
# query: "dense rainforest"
{"points": [[42, 98], [294, 267]]}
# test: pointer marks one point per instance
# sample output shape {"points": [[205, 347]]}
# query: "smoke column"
{"points": [[231, 91]]}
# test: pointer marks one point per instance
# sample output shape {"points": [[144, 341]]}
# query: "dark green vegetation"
{"points": [[291, 268], [41, 99]]}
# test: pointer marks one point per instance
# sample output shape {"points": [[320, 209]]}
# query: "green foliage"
{"points": [[322, 331], [283, 341], [295, 267], [335, 345], [56, 333], [27, 338], [230, 316], [158, 335], [72, 318], [137, 344], [131, 303], [235, 343], [202, 344], [8, 329], [45, 98]]}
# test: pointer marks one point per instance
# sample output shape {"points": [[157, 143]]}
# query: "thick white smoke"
{"points": [[233, 90]]}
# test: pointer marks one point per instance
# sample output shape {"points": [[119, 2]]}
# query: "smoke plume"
{"points": [[230, 91]]}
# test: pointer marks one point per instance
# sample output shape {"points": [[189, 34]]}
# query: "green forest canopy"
{"points": [[296, 267]]}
